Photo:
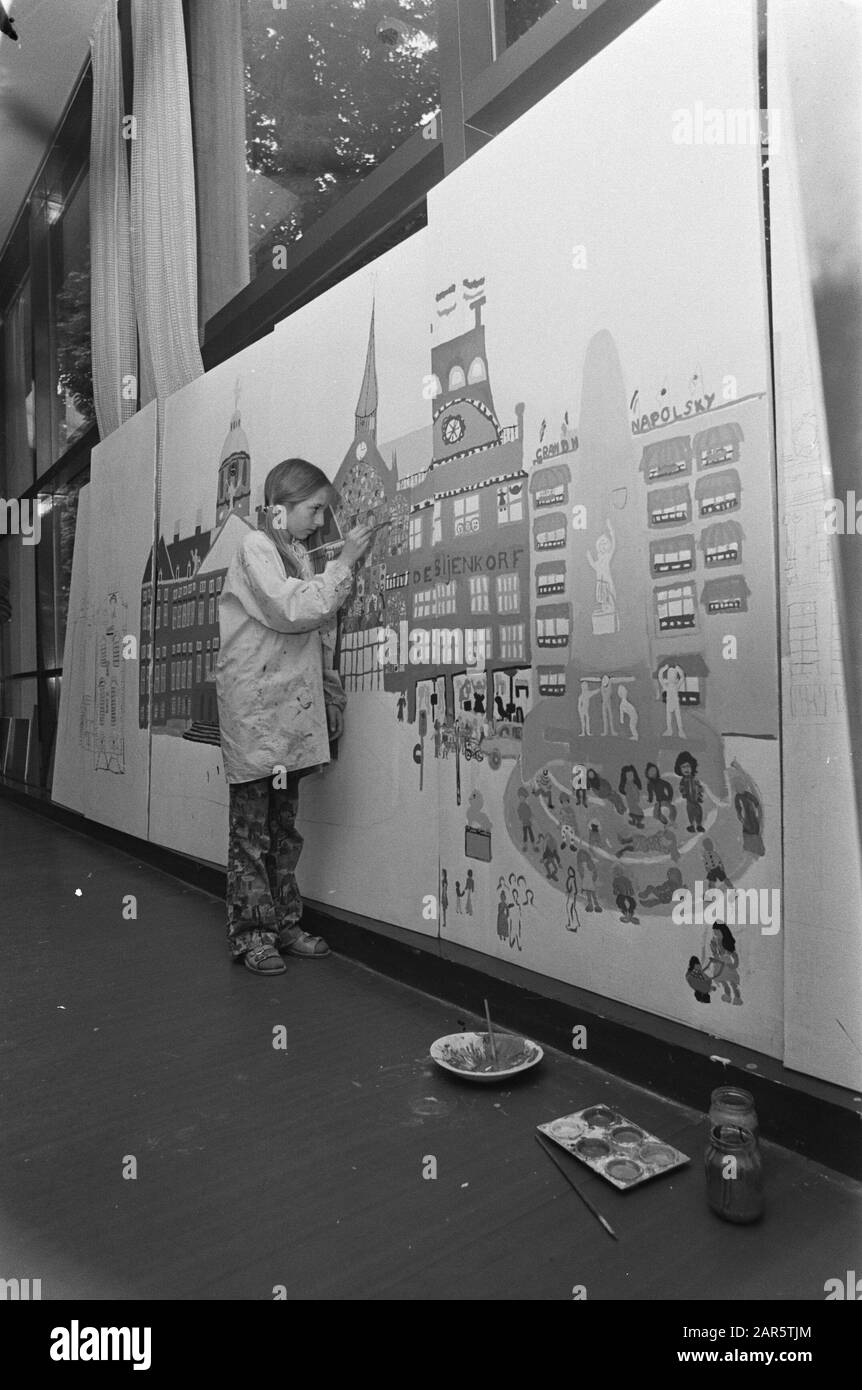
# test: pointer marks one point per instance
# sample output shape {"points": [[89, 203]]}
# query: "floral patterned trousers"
{"points": [[264, 846]]}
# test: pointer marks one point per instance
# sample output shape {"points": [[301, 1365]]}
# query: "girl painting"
{"points": [[280, 702]]}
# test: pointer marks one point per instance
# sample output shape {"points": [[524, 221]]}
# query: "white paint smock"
{"points": [[275, 675]]}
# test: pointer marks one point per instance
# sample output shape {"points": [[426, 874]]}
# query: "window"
{"points": [[512, 642], [331, 91], [18, 467], [437, 525], [553, 624], [722, 544], [675, 553], [456, 378], [666, 459], [74, 411], [508, 593], [423, 603], [718, 445], [728, 594], [211, 611], [445, 596], [477, 371], [466, 514], [675, 607], [200, 612], [510, 503], [514, 17], [416, 532], [479, 599]]}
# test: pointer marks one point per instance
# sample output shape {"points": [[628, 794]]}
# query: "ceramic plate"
{"points": [[464, 1054]]}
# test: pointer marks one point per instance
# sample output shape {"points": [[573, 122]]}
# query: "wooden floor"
{"points": [[259, 1168]]}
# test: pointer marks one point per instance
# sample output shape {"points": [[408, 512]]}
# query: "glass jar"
{"points": [[734, 1174], [730, 1105]]}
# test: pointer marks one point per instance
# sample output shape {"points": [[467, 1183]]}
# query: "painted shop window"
{"points": [[720, 493], [480, 601], [445, 598], [674, 553], [512, 642], [675, 607], [74, 410], [669, 507], [722, 543], [416, 532], [552, 680], [423, 603], [550, 578], [667, 459], [549, 532], [553, 624], [726, 595], [465, 511], [510, 503], [508, 593], [331, 90], [18, 460], [718, 445]]}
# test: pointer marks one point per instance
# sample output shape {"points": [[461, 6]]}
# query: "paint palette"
{"points": [[623, 1153]]}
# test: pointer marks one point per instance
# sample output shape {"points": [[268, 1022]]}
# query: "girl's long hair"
{"points": [[289, 482]]}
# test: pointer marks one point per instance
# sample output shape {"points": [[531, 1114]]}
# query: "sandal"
{"points": [[264, 960], [301, 943]]}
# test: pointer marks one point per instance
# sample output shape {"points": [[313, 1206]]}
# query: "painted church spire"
{"points": [[366, 406]]}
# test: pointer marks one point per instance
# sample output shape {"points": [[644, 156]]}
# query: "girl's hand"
{"points": [[356, 545], [335, 720]]}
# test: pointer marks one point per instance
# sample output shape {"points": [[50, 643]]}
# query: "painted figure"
{"points": [[568, 822], [469, 890], [659, 794], [657, 893], [402, 701], [605, 614], [573, 921], [502, 918], [624, 893], [607, 709], [444, 895], [724, 963], [476, 817], [579, 783], [671, 679], [586, 694], [662, 842], [587, 870], [525, 816], [630, 786], [550, 856], [627, 712], [715, 870], [459, 893], [602, 788], [690, 789], [543, 786], [748, 811], [697, 980]]}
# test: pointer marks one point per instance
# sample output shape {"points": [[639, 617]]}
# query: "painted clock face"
{"points": [[361, 450], [453, 429]]}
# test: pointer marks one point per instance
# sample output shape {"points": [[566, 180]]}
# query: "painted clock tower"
{"points": [[234, 470], [464, 417]]}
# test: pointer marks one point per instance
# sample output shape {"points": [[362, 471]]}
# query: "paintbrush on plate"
{"points": [[491, 1035], [570, 1180]]}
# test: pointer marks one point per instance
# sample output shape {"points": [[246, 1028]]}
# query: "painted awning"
{"points": [[721, 533], [691, 662], [669, 544], [667, 457], [728, 588], [669, 497], [551, 567], [555, 477], [554, 521], [553, 610], [717, 484], [727, 435]]}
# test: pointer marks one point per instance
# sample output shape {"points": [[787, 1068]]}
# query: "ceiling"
{"points": [[36, 81]]}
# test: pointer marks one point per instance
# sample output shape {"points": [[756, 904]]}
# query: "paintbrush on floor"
{"points": [[570, 1180]]}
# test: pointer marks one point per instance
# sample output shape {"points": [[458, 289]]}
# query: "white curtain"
{"points": [[164, 239], [112, 309]]}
